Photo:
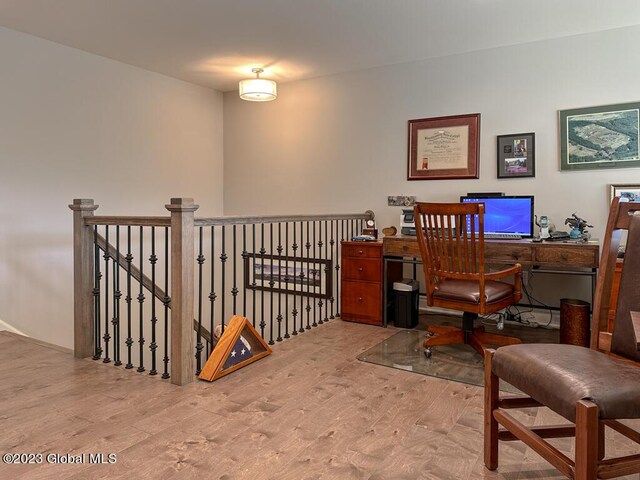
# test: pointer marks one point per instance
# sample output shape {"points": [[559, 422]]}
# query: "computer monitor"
{"points": [[508, 214]]}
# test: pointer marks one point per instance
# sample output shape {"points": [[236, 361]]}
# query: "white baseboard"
{"points": [[9, 328]]}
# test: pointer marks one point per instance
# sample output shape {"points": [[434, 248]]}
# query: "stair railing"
{"points": [[282, 272]]}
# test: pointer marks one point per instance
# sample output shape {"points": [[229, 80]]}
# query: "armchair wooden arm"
{"points": [[515, 270]]}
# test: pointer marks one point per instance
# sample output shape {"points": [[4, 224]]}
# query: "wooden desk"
{"points": [[542, 254], [568, 257]]}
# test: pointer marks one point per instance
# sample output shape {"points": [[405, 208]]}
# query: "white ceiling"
{"points": [[215, 43]]}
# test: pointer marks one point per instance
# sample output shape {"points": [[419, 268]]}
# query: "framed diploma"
{"points": [[444, 147]]}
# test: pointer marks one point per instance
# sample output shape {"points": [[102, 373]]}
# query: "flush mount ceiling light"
{"points": [[258, 89]]}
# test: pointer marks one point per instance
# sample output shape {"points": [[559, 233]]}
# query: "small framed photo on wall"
{"points": [[517, 155], [628, 191]]}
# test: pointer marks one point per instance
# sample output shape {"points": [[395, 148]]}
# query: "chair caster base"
{"points": [[428, 352]]}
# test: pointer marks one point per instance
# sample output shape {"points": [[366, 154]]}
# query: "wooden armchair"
{"points": [[451, 241], [591, 387]]}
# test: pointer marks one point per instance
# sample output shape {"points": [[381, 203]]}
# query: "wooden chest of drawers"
{"points": [[361, 278]]}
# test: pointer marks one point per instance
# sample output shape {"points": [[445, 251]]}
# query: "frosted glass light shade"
{"points": [[258, 90]]}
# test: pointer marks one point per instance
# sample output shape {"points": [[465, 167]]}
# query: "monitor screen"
{"points": [[506, 214]]}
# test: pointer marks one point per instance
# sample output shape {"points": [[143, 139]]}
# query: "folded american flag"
{"points": [[241, 351]]}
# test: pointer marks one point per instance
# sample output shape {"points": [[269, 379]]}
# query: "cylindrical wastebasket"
{"points": [[406, 303], [574, 322]]}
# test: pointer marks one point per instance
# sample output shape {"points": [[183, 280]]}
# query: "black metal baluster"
{"points": [[262, 259], [153, 259], [271, 284], [253, 274], [286, 281], [234, 290], [223, 260], [279, 339], [212, 292], [96, 295], [128, 299], [165, 301], [106, 337], [141, 304], [315, 323], [308, 307], [301, 280], [199, 345], [117, 295], [332, 242], [319, 273], [327, 271], [245, 256], [338, 260], [294, 312]]}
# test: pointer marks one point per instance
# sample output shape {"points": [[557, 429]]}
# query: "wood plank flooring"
{"points": [[309, 411]]}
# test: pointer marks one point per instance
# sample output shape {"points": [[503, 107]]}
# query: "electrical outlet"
{"points": [[401, 201]]}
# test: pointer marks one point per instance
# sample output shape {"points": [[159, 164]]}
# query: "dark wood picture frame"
{"points": [[321, 288], [444, 140], [516, 155]]}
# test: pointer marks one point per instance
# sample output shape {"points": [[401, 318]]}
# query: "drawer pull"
{"points": [[360, 252], [360, 269], [564, 256], [405, 248], [360, 299]]}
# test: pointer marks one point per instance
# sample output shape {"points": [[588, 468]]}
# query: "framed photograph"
{"points": [[630, 191], [517, 155], [600, 137], [309, 277], [444, 147]]}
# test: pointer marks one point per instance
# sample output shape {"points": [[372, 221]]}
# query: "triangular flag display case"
{"points": [[239, 346]]}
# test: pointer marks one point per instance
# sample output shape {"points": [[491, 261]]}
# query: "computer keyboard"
{"points": [[502, 236]]}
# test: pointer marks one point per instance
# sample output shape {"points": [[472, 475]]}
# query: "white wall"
{"points": [[76, 125], [339, 143]]}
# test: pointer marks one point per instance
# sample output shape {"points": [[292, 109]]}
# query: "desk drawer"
{"points": [[367, 269], [361, 301], [578, 256], [401, 247], [501, 253], [362, 250]]}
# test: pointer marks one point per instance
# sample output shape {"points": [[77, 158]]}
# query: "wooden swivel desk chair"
{"points": [[591, 387], [453, 259]]}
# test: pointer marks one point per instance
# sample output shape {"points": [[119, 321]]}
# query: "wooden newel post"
{"points": [[182, 289], [83, 264]]}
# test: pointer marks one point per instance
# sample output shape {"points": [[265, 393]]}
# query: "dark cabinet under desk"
{"points": [[362, 283]]}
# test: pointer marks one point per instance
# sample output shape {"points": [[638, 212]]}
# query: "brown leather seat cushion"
{"points": [[558, 376], [469, 290]]}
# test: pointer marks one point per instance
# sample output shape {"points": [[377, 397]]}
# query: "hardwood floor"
{"points": [[309, 411]]}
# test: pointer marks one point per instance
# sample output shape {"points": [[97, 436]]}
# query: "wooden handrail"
{"points": [[239, 220], [139, 221], [130, 221], [146, 281]]}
